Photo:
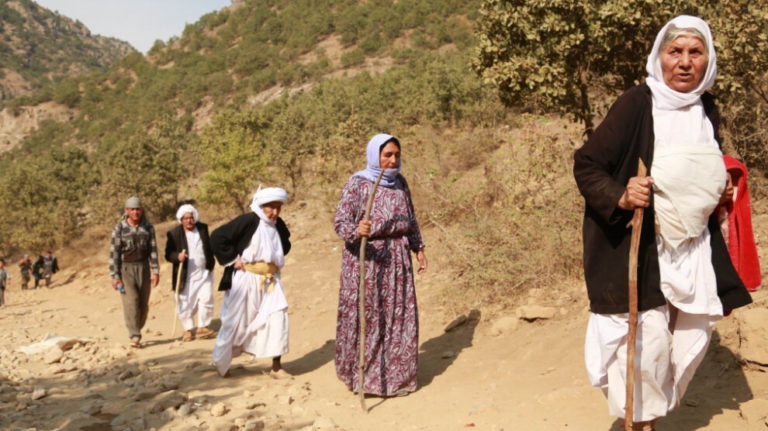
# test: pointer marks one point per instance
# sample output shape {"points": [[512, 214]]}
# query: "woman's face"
{"points": [[389, 158], [272, 210], [683, 63]]}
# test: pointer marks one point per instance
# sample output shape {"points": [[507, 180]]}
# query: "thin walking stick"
{"points": [[176, 296], [634, 245], [361, 295]]}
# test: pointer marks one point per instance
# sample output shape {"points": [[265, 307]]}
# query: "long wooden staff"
{"points": [[176, 296], [361, 295], [634, 246]]}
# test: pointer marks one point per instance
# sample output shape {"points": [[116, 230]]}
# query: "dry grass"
{"points": [[504, 205]]}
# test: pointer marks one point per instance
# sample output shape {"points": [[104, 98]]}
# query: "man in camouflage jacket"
{"points": [[133, 266]]}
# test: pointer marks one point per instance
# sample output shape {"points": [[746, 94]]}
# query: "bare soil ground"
{"points": [[482, 375]]}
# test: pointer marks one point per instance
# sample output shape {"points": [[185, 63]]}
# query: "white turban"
{"points": [[265, 196], [187, 208]]}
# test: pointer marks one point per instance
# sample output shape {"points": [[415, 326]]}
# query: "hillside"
{"points": [[301, 83], [39, 47]]}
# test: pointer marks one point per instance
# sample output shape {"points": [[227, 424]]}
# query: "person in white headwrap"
{"points": [[686, 281], [189, 245], [254, 313]]}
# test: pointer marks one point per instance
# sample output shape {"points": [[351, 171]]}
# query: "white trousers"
{"points": [[197, 296], [670, 346]]}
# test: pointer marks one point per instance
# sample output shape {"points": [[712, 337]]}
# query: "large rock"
{"points": [[219, 409], [53, 355], [168, 399], [39, 393], [753, 329]]}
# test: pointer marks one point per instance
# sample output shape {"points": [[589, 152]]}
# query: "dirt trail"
{"points": [[483, 375]]}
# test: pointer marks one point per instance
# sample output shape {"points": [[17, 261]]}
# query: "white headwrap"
{"points": [[265, 196], [187, 208], [665, 97]]}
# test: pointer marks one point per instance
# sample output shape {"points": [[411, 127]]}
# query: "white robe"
{"points": [[672, 340], [198, 292], [252, 321]]}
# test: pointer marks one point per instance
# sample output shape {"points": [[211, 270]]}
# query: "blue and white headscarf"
{"points": [[371, 172]]}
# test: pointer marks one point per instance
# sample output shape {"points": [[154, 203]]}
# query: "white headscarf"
{"points": [[265, 196], [665, 97], [187, 208]]}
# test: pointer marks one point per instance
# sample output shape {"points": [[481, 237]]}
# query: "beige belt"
{"points": [[267, 270]]}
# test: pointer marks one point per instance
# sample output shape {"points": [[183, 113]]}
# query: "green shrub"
{"points": [[355, 57]]}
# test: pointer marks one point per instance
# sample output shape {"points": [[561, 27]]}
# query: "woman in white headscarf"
{"points": [[254, 313], [686, 281], [392, 321]]}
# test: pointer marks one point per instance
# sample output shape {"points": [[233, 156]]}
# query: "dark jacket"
{"points": [[37, 268], [229, 241], [603, 167], [177, 241]]}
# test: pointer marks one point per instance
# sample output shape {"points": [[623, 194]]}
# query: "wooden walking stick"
{"points": [[176, 296], [361, 295], [634, 245]]}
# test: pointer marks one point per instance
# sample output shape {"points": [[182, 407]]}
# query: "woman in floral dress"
{"points": [[392, 324]]}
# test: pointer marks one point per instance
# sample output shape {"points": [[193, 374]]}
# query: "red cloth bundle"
{"points": [[741, 240]]}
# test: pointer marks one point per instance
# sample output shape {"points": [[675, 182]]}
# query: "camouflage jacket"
{"points": [[132, 244]]}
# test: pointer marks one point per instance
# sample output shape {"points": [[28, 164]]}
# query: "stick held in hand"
{"points": [[361, 295], [634, 246], [176, 296]]}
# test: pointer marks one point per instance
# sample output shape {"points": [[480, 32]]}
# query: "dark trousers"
{"points": [[136, 282]]}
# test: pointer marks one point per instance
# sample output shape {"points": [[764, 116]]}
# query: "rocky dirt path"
{"points": [[495, 371]]}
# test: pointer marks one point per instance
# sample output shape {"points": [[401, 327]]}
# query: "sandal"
{"points": [[136, 342], [204, 333]]}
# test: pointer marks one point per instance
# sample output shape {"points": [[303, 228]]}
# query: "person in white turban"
{"points": [[189, 245], [685, 279], [254, 313]]}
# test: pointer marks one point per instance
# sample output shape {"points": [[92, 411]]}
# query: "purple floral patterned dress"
{"points": [[392, 321]]}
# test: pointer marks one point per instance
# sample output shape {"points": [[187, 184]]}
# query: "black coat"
{"points": [[603, 167], [177, 241], [229, 241]]}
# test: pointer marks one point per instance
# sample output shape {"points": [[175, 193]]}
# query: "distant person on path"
{"points": [[25, 267], [685, 278], [37, 270], [4, 277], [254, 313], [189, 245], [392, 321], [50, 267], [133, 266]]}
